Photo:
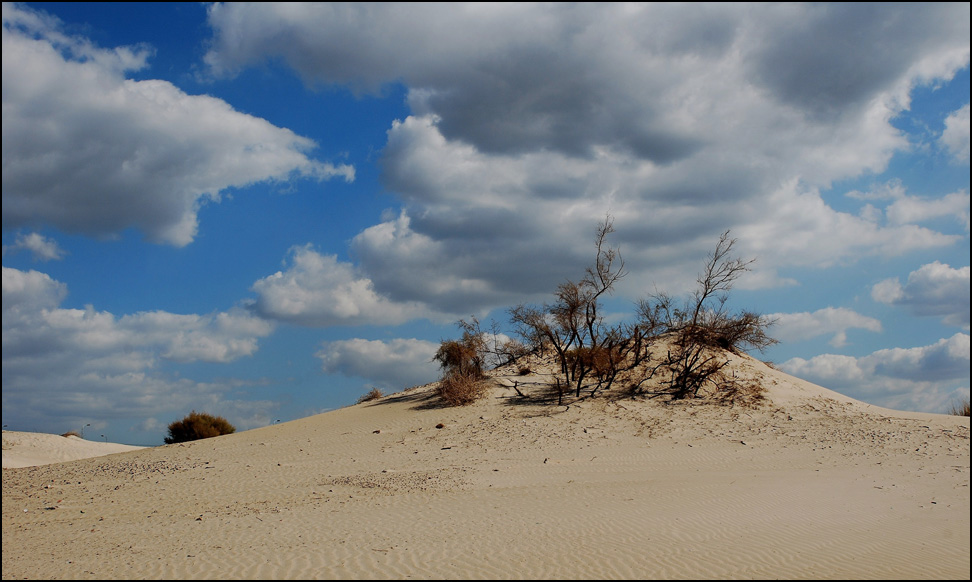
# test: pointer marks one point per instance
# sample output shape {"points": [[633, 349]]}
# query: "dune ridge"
{"points": [[808, 484]]}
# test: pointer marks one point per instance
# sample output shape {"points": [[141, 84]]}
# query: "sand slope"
{"points": [[30, 449], [809, 484]]}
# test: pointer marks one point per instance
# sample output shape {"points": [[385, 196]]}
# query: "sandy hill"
{"points": [[806, 484], [22, 449]]}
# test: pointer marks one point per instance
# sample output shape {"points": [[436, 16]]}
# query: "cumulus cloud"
{"points": [[522, 77], [29, 292], [926, 378], [910, 210], [934, 290], [956, 134], [831, 320], [319, 290], [902, 209], [530, 122], [395, 364], [38, 245], [87, 150], [73, 362]]}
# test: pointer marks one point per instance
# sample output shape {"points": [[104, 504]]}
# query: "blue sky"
{"points": [[262, 211]]}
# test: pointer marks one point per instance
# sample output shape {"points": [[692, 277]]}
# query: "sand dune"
{"points": [[809, 484], [30, 449]]}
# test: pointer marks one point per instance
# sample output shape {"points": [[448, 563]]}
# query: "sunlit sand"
{"points": [[808, 484]]}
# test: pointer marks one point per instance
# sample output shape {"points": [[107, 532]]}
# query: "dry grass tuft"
{"points": [[373, 394], [960, 409], [742, 393], [461, 389], [71, 433]]}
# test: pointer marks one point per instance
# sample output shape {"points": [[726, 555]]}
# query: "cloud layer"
{"points": [[393, 364], [925, 378], [790, 327], [934, 290], [530, 122], [87, 150]]}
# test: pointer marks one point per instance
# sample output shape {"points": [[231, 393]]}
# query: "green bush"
{"points": [[198, 425]]}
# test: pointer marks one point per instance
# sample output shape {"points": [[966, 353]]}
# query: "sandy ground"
{"points": [[809, 484]]}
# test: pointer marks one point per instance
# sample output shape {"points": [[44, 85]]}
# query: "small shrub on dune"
{"points": [[198, 425], [373, 394], [461, 389], [71, 433], [960, 409]]}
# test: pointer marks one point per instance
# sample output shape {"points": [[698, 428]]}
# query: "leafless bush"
{"points": [[590, 352], [701, 329]]}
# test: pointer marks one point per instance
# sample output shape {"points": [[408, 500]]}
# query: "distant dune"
{"points": [[28, 449], [807, 484]]}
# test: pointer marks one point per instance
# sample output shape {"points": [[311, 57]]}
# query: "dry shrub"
{"points": [[461, 389], [373, 394], [743, 393], [464, 356], [72, 433], [960, 409], [198, 425]]}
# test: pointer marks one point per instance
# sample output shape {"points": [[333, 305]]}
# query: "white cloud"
{"points": [[801, 326], [71, 363], [904, 209], [41, 247], [87, 150], [530, 122], [935, 290], [29, 292], [483, 230], [956, 134], [891, 190], [926, 378], [395, 364], [910, 210], [318, 290]]}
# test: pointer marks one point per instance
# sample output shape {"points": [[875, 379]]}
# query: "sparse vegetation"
{"points": [[463, 362], [574, 327], [696, 337], [373, 394], [457, 389], [198, 425], [960, 409], [701, 332], [72, 433]]}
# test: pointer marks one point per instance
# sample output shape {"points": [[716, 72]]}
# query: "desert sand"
{"points": [[806, 484]]}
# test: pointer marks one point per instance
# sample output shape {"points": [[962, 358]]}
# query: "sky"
{"points": [[261, 211]]}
